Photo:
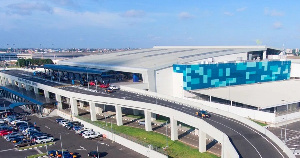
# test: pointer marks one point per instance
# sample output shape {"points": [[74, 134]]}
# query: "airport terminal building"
{"points": [[232, 78]]}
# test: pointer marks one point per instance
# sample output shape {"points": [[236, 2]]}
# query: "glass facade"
{"points": [[223, 74]]}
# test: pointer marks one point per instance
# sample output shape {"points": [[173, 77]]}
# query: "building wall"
{"points": [[295, 70], [164, 81], [224, 74]]}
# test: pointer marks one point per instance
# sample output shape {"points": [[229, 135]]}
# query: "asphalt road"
{"points": [[248, 142]]}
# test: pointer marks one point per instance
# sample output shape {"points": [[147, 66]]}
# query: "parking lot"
{"points": [[69, 141]]}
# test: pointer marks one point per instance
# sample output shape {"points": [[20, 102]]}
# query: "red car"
{"points": [[4, 133], [104, 85], [92, 83]]}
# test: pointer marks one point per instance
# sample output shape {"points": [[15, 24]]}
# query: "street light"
{"points": [[287, 110], [167, 133]]}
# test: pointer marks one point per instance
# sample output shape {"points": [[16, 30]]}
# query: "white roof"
{"points": [[156, 57], [262, 95]]}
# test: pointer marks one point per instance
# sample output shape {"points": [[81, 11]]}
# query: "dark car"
{"points": [[109, 90], [52, 153], [59, 119], [17, 139], [83, 83], [94, 154], [23, 143], [203, 114]]}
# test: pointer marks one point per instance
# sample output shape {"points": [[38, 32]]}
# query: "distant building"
{"points": [[14, 56]]}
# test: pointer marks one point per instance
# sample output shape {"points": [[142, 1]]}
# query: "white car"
{"points": [[16, 121], [113, 87], [44, 139], [83, 129], [91, 135], [87, 132], [2, 121], [63, 122]]}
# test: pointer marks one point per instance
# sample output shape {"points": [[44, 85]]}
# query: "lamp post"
{"points": [[287, 110], [167, 134], [87, 78]]}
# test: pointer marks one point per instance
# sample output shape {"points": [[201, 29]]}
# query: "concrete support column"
{"points": [[74, 107], [46, 93], [19, 84], [148, 126], [202, 141], [68, 100], [59, 103], [36, 90], [7, 82], [81, 104], [174, 129], [135, 112], [27, 87], [93, 111], [119, 115]]}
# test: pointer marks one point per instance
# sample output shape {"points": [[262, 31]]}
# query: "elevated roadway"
{"points": [[248, 142]]}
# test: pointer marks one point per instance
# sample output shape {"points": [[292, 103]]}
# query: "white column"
{"points": [[135, 112], [174, 129], [59, 103], [81, 103], [93, 111], [27, 87], [119, 115], [19, 84], [148, 126], [74, 107], [202, 141], [68, 100], [46, 93], [36, 90]]}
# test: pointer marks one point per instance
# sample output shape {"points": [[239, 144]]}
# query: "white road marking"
{"points": [[6, 150]]}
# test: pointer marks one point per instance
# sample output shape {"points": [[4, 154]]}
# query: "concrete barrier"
{"points": [[201, 105]]}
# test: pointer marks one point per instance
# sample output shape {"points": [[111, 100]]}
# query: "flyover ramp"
{"points": [[248, 141]]}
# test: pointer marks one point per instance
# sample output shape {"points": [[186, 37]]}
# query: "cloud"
{"points": [[273, 12], [241, 9], [185, 15], [27, 8], [277, 25], [228, 13], [133, 14], [63, 2]]}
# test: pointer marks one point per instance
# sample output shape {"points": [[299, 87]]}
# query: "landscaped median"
{"points": [[36, 145], [37, 156], [158, 141]]}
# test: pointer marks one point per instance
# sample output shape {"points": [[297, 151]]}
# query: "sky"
{"points": [[148, 23]]}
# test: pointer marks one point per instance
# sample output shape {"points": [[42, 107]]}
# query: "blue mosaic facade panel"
{"points": [[224, 74]]}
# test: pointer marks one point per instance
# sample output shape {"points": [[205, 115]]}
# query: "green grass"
{"points": [[36, 156], [176, 149], [260, 123], [162, 119], [37, 145]]}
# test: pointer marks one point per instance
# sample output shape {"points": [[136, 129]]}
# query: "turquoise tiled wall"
{"points": [[224, 74]]}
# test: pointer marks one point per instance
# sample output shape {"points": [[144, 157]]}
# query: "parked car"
{"points": [[23, 143], [91, 135], [104, 85], [17, 139], [87, 132], [52, 153], [44, 139], [12, 134], [59, 119], [114, 87], [12, 137], [94, 154], [108, 90], [4, 133], [76, 128], [92, 83]]}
